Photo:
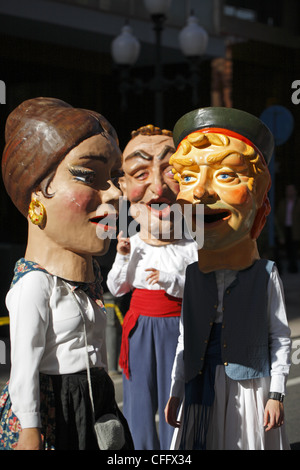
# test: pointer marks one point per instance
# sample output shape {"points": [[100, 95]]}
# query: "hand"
{"points": [[273, 415], [153, 277], [123, 245], [30, 439], [171, 412]]}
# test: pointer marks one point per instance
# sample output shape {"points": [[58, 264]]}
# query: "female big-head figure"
{"points": [[57, 167]]}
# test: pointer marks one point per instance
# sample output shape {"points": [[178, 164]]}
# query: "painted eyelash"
{"points": [[80, 171]]}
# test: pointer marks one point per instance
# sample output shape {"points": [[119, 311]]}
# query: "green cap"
{"points": [[234, 120]]}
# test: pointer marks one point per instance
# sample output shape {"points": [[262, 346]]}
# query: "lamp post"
{"points": [[193, 41], [158, 10], [125, 50]]}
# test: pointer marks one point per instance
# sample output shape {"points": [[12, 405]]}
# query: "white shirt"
{"points": [[47, 336], [279, 333], [128, 271]]}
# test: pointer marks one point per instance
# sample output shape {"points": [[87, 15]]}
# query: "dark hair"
{"points": [[39, 133]]}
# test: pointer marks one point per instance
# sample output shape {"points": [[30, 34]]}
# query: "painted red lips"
{"points": [[106, 221], [160, 207]]}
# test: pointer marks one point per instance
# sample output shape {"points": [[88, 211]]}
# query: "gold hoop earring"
{"points": [[37, 212]]}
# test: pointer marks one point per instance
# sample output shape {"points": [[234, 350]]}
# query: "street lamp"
{"points": [[158, 10], [125, 50], [193, 40]]}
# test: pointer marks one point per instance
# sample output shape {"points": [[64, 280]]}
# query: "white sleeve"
{"points": [[279, 334], [28, 305], [117, 282], [177, 375], [172, 283]]}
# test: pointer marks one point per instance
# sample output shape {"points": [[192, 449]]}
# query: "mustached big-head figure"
{"points": [[152, 265], [150, 186]]}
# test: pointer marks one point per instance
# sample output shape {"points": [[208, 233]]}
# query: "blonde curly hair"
{"points": [[257, 166], [199, 140]]}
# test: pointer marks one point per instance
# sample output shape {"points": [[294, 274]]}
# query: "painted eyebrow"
{"points": [[94, 157], [164, 152], [147, 156], [139, 153], [211, 159], [220, 157]]}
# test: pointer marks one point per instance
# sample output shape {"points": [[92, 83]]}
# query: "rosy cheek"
{"points": [[135, 194], [79, 201], [237, 196]]}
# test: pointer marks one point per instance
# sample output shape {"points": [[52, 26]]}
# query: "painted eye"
{"points": [[169, 173], [83, 175], [223, 176], [226, 177], [88, 179], [141, 176], [186, 179]]}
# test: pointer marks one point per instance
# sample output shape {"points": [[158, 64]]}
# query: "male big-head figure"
{"points": [[221, 162]]}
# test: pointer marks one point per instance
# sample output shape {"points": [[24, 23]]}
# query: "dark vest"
{"points": [[244, 337]]}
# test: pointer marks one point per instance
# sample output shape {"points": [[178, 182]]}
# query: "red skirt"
{"points": [[150, 303]]}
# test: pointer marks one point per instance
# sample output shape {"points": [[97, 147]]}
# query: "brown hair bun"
{"points": [[38, 135]]}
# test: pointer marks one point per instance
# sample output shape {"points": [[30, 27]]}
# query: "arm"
{"points": [[172, 283], [117, 277], [279, 334], [30, 439], [28, 306], [177, 383], [274, 415], [172, 280], [280, 345], [171, 412]]}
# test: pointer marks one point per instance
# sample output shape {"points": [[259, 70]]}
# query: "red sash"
{"points": [[149, 303]]}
